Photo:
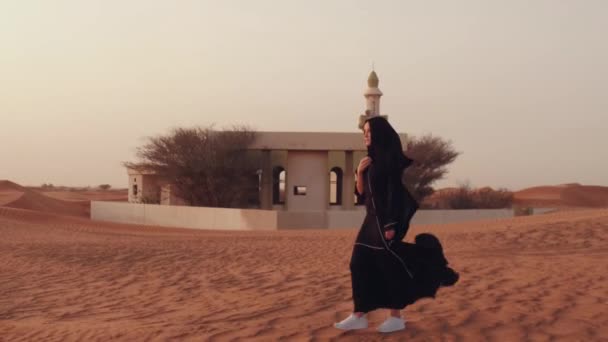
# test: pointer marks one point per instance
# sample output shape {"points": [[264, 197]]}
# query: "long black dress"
{"points": [[392, 274]]}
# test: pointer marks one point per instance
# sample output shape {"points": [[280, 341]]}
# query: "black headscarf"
{"points": [[385, 150]]}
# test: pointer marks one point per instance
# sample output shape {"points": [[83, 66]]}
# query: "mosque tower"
{"points": [[372, 99]]}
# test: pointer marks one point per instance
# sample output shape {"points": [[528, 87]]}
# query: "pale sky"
{"points": [[519, 86]]}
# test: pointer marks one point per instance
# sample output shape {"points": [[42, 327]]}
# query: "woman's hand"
{"points": [[363, 164], [389, 234]]}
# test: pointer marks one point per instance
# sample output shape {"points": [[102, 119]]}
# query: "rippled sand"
{"points": [[72, 279]]}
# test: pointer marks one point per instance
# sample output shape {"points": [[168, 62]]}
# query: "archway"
{"points": [[335, 186], [278, 185]]}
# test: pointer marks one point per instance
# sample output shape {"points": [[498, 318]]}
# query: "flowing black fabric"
{"points": [[392, 273]]}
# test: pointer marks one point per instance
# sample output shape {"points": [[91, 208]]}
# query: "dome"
{"points": [[372, 80]]}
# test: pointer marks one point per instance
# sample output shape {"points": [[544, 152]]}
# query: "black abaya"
{"points": [[392, 274]]}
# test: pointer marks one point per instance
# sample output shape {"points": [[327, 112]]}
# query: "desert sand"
{"points": [[66, 278]]}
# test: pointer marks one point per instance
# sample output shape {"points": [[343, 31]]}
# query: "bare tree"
{"points": [[431, 157], [104, 186], [206, 167]]}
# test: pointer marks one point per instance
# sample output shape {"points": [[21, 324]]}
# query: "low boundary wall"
{"points": [[254, 219], [185, 217]]}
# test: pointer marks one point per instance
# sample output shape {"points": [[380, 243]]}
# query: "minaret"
{"points": [[372, 99]]}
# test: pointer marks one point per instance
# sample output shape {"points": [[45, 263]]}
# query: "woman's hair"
{"points": [[385, 149]]}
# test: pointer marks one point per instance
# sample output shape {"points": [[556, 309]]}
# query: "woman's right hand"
{"points": [[363, 164]]}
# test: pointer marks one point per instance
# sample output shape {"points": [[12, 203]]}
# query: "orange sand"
{"points": [[71, 279], [66, 202]]}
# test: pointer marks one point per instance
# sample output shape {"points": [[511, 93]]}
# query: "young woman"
{"points": [[385, 271]]}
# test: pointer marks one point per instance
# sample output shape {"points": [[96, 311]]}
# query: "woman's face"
{"points": [[367, 134]]}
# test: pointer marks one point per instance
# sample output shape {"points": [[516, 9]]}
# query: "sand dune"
{"points": [[35, 201], [15, 196], [70, 279], [565, 195], [7, 197], [585, 196], [89, 195], [10, 192], [6, 185]]}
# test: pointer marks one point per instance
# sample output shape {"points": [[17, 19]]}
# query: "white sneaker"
{"points": [[352, 322], [392, 324]]}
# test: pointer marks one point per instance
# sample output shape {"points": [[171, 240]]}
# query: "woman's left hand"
{"points": [[389, 234]]}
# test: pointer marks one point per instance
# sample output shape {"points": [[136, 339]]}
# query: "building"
{"points": [[307, 176]]}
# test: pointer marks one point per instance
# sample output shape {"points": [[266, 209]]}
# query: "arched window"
{"points": [[335, 186], [278, 185]]}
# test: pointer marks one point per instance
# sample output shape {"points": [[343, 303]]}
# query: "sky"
{"points": [[519, 87]]}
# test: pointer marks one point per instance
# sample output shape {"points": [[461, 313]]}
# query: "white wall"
{"points": [[302, 219], [352, 218], [307, 168], [185, 217], [252, 219], [537, 211], [348, 219], [337, 219], [424, 217]]}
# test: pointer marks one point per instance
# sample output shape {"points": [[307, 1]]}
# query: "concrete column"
{"points": [[266, 191], [348, 182]]}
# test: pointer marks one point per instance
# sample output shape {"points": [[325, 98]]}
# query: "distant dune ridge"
{"points": [[66, 201], [572, 195], [67, 278], [565, 195], [70, 203]]}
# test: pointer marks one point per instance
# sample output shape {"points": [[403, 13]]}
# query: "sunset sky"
{"points": [[519, 87]]}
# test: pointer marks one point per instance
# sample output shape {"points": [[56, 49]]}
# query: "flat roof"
{"points": [[312, 141], [136, 171]]}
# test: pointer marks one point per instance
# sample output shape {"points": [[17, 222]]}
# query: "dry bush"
{"points": [[486, 198], [206, 167]]}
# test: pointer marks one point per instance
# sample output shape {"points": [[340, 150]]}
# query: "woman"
{"points": [[385, 271]]}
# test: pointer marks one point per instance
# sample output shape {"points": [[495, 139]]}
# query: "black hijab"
{"points": [[385, 150]]}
